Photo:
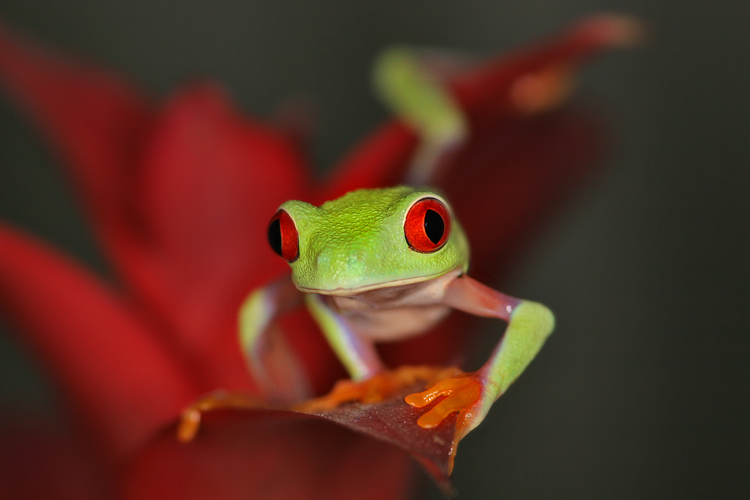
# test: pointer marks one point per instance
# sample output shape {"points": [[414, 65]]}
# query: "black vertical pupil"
{"points": [[274, 235], [434, 226]]}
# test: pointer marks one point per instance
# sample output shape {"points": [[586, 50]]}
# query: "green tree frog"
{"points": [[381, 265]]}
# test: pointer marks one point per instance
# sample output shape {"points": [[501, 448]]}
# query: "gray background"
{"points": [[643, 390]]}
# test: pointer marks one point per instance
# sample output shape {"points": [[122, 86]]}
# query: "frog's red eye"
{"points": [[283, 236], [427, 225]]}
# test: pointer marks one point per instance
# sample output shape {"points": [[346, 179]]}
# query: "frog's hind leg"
{"points": [[416, 94], [358, 355]]}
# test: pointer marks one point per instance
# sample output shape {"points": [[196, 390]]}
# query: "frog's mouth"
{"points": [[393, 284]]}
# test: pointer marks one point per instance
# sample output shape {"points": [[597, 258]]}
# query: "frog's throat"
{"points": [[345, 292]]}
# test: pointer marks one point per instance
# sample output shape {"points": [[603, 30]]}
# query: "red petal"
{"points": [[210, 183], [513, 175], [122, 383], [40, 462], [395, 422], [388, 419], [265, 454], [98, 125]]}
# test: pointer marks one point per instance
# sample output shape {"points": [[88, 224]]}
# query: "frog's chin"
{"points": [[345, 292]]}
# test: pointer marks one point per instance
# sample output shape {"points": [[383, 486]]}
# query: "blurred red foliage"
{"points": [[179, 196]]}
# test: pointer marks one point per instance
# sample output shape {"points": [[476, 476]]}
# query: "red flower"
{"points": [[179, 196]]}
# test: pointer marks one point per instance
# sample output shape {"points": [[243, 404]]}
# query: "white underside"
{"points": [[394, 312]]}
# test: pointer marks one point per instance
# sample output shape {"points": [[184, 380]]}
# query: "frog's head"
{"points": [[368, 239]]}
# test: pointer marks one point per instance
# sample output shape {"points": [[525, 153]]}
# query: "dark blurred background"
{"points": [[643, 390]]}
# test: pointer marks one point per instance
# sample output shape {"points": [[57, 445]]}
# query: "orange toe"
{"points": [[376, 389], [192, 415], [459, 394]]}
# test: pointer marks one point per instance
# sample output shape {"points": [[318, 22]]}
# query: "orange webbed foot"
{"points": [[375, 389], [459, 392]]}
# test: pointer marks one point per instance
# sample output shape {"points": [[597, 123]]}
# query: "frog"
{"points": [[383, 265]]}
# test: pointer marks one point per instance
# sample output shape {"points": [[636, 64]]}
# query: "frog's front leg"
{"points": [[275, 368], [358, 355], [370, 381], [472, 395]]}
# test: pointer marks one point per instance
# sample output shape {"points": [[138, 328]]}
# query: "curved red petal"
{"points": [[269, 455], [38, 462], [98, 125], [210, 182], [105, 358]]}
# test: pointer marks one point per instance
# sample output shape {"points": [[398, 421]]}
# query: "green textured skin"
{"points": [[358, 241]]}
